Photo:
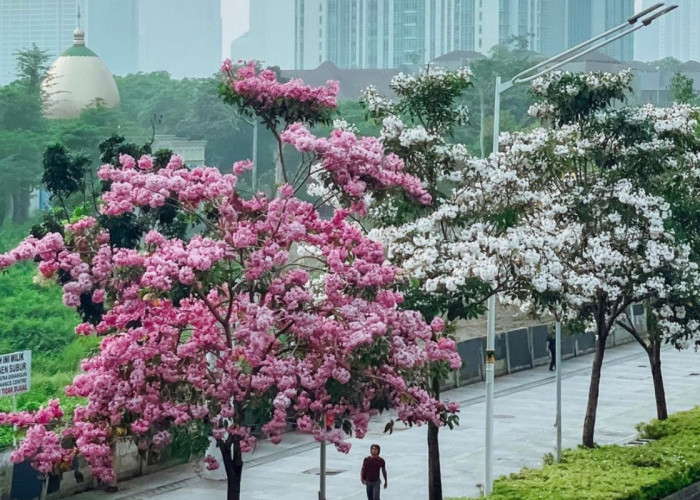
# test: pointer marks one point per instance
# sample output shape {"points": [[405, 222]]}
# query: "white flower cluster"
{"points": [[681, 118], [402, 83], [375, 102], [342, 124], [393, 129]]}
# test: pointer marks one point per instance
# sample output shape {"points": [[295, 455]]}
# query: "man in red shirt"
{"points": [[370, 473]]}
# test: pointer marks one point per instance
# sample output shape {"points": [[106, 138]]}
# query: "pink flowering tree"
{"points": [[262, 307]]}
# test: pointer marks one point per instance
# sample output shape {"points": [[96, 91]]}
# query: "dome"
{"points": [[77, 80]]}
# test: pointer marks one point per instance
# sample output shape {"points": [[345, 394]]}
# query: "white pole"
{"points": [[491, 327], [557, 361]]}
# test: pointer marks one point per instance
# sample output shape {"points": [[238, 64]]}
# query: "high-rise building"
{"points": [[270, 37], [182, 37], [114, 33], [566, 23], [381, 33], [47, 23], [673, 35]]}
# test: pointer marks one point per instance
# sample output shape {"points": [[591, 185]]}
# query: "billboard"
{"points": [[15, 373]]}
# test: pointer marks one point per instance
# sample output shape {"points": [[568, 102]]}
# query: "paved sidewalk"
{"points": [[524, 432]]}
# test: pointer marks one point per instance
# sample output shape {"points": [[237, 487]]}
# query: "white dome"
{"points": [[77, 80]]}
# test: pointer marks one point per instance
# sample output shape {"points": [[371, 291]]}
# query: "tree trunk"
{"points": [[20, 206], [594, 389], [654, 353], [233, 463], [434, 475]]}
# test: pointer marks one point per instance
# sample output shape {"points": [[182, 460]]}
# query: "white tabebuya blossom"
{"points": [[565, 97], [551, 183], [427, 97]]}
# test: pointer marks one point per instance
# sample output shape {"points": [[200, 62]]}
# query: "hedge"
{"points": [[669, 463]]}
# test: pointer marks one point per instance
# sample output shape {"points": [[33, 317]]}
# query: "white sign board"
{"points": [[15, 373]]}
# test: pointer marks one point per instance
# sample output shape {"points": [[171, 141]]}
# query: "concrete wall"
{"points": [[525, 348], [127, 463]]}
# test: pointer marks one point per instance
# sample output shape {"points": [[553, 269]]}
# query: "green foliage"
{"points": [[681, 88], [64, 174], [650, 471], [189, 440], [430, 102], [506, 63], [32, 65]]}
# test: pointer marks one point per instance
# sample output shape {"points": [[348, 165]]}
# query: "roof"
{"points": [[597, 56], [459, 55], [79, 51], [639, 65]]}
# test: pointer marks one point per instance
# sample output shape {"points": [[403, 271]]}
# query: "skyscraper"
{"points": [[674, 35], [566, 23], [113, 33], [181, 37], [381, 33], [270, 37], [48, 23]]}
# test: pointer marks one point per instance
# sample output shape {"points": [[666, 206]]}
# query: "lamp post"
{"points": [[634, 23]]}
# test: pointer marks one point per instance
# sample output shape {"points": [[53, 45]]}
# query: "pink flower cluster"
{"points": [[356, 165], [43, 448], [24, 419], [264, 89]]}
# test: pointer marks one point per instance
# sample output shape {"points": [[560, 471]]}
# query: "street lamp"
{"points": [[634, 23]]}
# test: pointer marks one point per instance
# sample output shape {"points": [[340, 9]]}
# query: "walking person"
{"points": [[370, 473], [552, 346]]}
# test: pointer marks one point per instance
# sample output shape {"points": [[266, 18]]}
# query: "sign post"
{"points": [[15, 378]]}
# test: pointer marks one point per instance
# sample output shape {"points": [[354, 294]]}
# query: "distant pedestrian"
{"points": [[552, 346], [370, 473]]}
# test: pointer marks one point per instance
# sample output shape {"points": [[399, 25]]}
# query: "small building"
{"points": [[191, 151]]}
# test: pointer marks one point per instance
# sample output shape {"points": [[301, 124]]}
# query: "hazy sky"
{"points": [[234, 22]]}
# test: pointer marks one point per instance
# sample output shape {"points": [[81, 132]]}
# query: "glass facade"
{"points": [[616, 13], [503, 22], [394, 33], [48, 23], [464, 25], [409, 32]]}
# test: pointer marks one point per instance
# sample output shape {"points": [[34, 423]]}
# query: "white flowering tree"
{"points": [[670, 169], [601, 238], [417, 127]]}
